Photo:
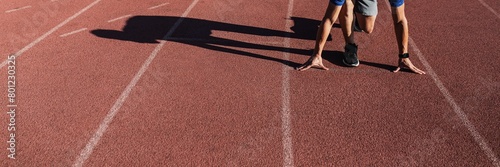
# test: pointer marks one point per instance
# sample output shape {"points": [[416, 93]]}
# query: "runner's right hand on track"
{"points": [[314, 61]]}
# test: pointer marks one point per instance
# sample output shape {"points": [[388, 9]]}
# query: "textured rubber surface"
{"points": [[219, 88]]}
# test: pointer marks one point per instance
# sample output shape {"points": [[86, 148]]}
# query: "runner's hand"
{"points": [[314, 61], [406, 63]]}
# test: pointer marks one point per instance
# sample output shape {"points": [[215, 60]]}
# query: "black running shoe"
{"points": [[351, 55]]}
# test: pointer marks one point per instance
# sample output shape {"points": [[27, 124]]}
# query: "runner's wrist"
{"points": [[404, 55]]}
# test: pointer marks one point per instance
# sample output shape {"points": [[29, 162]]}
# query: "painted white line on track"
{"points": [[157, 6], [463, 117], [286, 120], [118, 18], [489, 8], [29, 46], [103, 126], [17, 9], [73, 32]]}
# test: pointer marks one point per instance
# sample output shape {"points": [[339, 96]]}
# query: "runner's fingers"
{"points": [[418, 71], [307, 63], [397, 69], [323, 67], [304, 67]]}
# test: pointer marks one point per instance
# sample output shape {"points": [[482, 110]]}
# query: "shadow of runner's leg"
{"points": [[243, 53]]}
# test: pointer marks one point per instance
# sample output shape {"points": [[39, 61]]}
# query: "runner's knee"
{"points": [[369, 24], [368, 30], [366, 23]]}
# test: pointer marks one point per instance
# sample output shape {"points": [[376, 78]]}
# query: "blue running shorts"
{"points": [[394, 3]]}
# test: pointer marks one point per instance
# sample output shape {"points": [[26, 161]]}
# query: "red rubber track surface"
{"points": [[220, 87]]}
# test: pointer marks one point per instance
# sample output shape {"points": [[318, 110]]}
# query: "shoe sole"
{"points": [[351, 65]]}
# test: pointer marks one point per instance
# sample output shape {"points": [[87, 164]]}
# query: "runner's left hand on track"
{"points": [[314, 61]]}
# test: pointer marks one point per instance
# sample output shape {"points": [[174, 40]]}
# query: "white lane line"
{"points": [[118, 18], [489, 8], [463, 117], [29, 46], [17, 9], [286, 120], [103, 126], [73, 32], [157, 6]]}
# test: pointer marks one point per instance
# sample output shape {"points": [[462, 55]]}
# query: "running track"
{"points": [[211, 83]]}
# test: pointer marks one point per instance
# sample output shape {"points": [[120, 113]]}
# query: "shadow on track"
{"points": [[197, 32]]}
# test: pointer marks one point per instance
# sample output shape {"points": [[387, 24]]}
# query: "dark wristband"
{"points": [[404, 55]]}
